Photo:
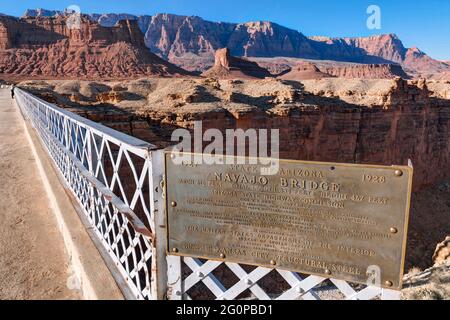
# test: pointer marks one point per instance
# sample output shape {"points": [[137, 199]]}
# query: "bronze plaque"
{"points": [[342, 221]]}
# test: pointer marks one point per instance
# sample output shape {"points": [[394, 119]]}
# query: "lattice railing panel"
{"points": [[199, 279], [110, 176]]}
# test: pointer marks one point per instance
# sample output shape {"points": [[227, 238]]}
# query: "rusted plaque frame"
{"points": [[343, 221]]}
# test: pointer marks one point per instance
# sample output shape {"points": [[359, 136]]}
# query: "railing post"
{"points": [[167, 269], [159, 246], [174, 280], [67, 139], [90, 159]]}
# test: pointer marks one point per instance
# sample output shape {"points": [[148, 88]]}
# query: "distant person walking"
{"points": [[12, 91]]}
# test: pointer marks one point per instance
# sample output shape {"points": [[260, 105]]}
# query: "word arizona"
{"points": [[238, 146]]}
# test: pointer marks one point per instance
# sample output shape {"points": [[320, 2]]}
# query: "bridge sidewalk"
{"points": [[45, 250], [33, 264]]}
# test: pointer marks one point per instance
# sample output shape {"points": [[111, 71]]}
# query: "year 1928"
{"points": [[373, 178]]}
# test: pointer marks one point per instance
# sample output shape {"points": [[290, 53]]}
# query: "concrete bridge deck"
{"points": [[33, 261]]}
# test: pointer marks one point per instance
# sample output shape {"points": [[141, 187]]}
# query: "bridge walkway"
{"points": [[33, 261]]}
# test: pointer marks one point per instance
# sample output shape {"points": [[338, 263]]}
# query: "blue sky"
{"points": [[425, 24]]}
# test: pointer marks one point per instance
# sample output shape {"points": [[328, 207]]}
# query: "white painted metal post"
{"points": [[174, 280], [90, 158], [159, 247]]}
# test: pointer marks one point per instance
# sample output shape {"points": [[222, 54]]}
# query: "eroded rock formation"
{"points": [[305, 71], [366, 71], [229, 67], [283, 66], [190, 41], [48, 47]]}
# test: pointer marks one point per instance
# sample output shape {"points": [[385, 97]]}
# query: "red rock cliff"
{"points": [[47, 47]]}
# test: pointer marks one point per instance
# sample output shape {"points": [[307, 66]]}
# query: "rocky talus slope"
{"points": [[48, 47]]}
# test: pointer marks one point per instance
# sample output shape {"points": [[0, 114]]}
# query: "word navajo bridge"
{"points": [[148, 228]]}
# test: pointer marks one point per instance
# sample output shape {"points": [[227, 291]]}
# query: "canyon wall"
{"points": [[410, 125], [354, 121], [390, 48]]}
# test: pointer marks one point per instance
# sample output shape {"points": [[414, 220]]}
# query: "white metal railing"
{"points": [[191, 278], [116, 180]]}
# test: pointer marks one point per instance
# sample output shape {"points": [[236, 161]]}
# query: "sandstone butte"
{"points": [[304, 71], [229, 67]]}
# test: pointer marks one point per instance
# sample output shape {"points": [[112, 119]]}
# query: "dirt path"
{"points": [[33, 263]]}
